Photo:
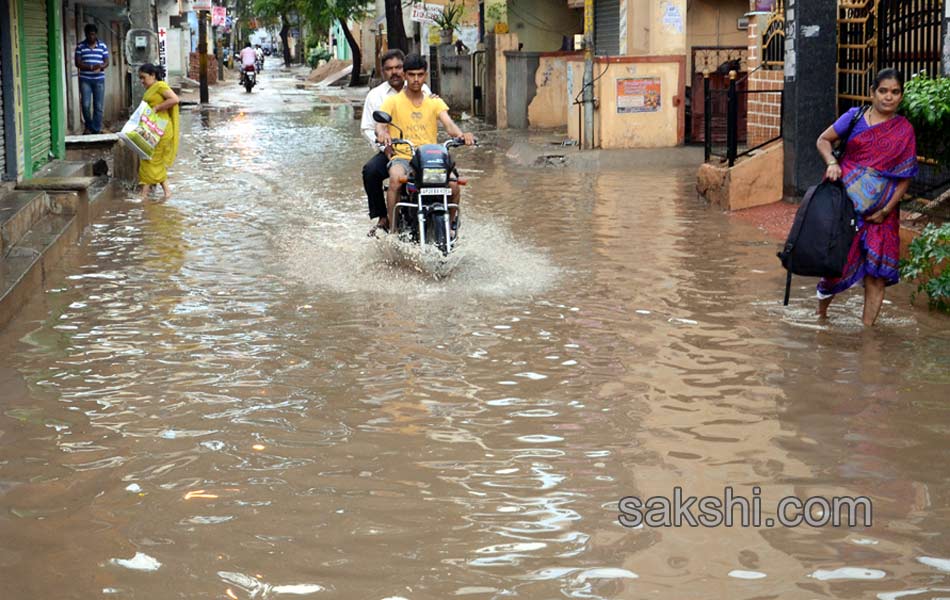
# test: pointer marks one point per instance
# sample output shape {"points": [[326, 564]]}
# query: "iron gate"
{"points": [[910, 32], [876, 34]]}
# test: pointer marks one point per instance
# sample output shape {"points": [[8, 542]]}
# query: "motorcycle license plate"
{"points": [[435, 192]]}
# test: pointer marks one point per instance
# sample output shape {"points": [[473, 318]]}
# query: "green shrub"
{"points": [[926, 105], [316, 55], [929, 251]]}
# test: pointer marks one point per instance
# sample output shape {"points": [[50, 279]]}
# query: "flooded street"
{"points": [[237, 394]]}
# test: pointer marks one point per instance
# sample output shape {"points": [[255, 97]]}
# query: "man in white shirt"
{"points": [[248, 56], [248, 61], [376, 171]]}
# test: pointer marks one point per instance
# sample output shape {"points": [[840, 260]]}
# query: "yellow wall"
{"points": [[668, 22], [638, 26], [548, 109], [503, 42], [631, 130], [658, 27], [541, 26], [712, 23]]}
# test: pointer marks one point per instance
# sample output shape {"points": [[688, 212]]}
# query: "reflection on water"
{"points": [[239, 395]]}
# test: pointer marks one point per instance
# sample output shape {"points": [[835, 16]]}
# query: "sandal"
{"points": [[374, 228]]}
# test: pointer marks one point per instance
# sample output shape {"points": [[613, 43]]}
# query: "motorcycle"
{"points": [[422, 213], [249, 78], [259, 64]]}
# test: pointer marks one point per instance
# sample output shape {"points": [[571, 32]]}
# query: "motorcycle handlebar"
{"points": [[456, 142], [450, 143]]}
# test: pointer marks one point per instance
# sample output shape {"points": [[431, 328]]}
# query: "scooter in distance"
{"points": [[422, 213], [249, 78]]}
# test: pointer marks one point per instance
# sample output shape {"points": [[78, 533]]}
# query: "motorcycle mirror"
{"points": [[381, 117]]}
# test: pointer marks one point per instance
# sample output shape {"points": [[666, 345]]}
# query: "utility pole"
{"points": [[588, 141], [203, 56], [218, 43]]}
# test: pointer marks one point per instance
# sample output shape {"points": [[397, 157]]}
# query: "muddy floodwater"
{"points": [[237, 394]]}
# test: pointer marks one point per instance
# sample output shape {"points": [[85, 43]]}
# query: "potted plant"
{"points": [[496, 17], [448, 20]]}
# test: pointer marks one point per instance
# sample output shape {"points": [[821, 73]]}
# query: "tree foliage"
{"points": [[324, 12], [278, 12], [318, 15]]}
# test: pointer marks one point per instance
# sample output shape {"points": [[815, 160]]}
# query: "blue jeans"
{"points": [[91, 95]]}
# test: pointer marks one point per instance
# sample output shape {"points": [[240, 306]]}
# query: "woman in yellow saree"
{"points": [[164, 101]]}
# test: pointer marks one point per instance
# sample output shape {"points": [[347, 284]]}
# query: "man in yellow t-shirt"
{"points": [[418, 116]]}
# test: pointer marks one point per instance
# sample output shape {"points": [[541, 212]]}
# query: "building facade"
{"points": [[33, 98]]}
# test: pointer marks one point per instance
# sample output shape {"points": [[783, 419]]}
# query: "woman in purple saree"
{"points": [[879, 162]]}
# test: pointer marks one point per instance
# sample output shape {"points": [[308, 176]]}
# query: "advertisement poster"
{"points": [[638, 95], [197, 5], [218, 16], [764, 5]]}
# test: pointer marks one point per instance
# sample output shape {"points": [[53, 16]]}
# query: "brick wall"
{"points": [[194, 67], [765, 110]]}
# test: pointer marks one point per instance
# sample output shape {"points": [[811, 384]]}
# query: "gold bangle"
{"points": [[830, 163]]}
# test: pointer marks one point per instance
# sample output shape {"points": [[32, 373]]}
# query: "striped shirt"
{"points": [[96, 55]]}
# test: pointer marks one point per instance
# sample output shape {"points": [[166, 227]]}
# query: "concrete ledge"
{"points": [[65, 203], [100, 139], [18, 212], [754, 181], [56, 184], [24, 271]]}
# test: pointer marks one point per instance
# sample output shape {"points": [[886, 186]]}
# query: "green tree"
{"points": [[274, 12], [322, 13], [395, 30]]}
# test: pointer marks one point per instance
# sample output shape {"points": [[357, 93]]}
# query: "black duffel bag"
{"points": [[821, 236]]}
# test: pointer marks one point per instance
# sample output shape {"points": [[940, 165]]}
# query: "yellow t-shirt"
{"points": [[419, 124]]}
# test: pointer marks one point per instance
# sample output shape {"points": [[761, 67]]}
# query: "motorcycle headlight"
{"points": [[438, 176]]}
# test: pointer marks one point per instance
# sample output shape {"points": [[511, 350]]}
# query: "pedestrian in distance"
{"points": [[259, 62], [376, 170], [879, 162], [92, 59], [163, 100]]}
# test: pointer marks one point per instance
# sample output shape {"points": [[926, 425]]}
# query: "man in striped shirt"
{"points": [[92, 58]]}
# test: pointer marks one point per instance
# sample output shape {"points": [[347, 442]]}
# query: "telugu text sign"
{"points": [[425, 13], [638, 95]]}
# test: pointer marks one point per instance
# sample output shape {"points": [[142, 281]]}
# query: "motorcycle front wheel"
{"points": [[437, 232]]}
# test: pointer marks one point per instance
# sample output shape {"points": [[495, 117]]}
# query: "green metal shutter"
{"points": [[35, 51], [607, 27]]}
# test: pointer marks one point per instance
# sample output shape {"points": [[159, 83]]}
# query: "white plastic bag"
{"points": [[144, 130]]}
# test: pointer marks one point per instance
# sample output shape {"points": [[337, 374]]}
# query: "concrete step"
{"points": [[66, 168], [18, 212], [24, 269]]}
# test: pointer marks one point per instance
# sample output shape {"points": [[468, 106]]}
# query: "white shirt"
{"points": [[248, 57], [374, 102]]}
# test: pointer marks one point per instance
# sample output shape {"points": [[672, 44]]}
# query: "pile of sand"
{"points": [[327, 69]]}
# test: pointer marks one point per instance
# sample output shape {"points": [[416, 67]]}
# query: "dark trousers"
{"points": [[375, 172]]}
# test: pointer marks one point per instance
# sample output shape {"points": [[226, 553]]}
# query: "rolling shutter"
{"points": [[37, 89], [607, 27]]}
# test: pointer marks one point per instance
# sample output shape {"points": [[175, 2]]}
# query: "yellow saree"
{"points": [[155, 171]]}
